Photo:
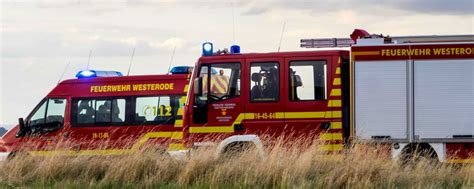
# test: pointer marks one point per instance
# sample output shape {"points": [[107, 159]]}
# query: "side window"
{"points": [[264, 82], [225, 81], [85, 111], [156, 109], [37, 118], [118, 110], [90, 111], [103, 110], [307, 80]]}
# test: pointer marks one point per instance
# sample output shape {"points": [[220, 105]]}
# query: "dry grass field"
{"points": [[282, 166]]}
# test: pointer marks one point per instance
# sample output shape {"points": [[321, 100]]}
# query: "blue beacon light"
{"points": [[86, 74], [235, 49], [207, 49]]}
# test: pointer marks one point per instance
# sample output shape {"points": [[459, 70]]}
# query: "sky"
{"points": [[39, 38]]}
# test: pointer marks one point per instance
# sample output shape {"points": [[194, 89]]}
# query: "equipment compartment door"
{"points": [[381, 99], [444, 98]]}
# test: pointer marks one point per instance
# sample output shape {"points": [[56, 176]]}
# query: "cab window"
{"points": [[49, 115], [264, 82], [307, 80]]}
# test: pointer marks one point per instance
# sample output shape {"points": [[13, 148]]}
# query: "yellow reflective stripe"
{"points": [[251, 116], [365, 53], [223, 129], [301, 115], [460, 160], [333, 114], [135, 147], [334, 103], [82, 152], [325, 136], [277, 115], [186, 88], [177, 135], [336, 92], [331, 136], [332, 147], [338, 70], [180, 112], [178, 123], [337, 81], [336, 125], [104, 152], [149, 135], [176, 146]]}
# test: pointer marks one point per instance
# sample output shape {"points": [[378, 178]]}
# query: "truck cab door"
{"points": [[46, 124], [264, 103], [217, 109], [307, 108]]}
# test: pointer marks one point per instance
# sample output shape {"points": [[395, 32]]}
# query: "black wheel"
{"points": [[413, 154]]}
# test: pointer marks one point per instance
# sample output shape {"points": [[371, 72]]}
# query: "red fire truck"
{"points": [[411, 93], [98, 114]]}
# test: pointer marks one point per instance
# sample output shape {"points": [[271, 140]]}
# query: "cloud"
{"points": [[170, 43], [435, 7], [454, 7], [50, 44], [254, 11]]}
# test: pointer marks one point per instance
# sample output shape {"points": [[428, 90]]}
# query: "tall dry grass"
{"points": [[283, 166]]}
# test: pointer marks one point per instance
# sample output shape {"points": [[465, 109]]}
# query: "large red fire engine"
{"points": [[412, 93], [98, 114]]}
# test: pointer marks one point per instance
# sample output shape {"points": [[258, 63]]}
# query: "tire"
{"points": [[413, 154]]}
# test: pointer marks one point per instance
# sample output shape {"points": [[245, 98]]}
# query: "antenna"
{"points": [[89, 61], [233, 24], [62, 75], [281, 37], [130, 64], [171, 60]]}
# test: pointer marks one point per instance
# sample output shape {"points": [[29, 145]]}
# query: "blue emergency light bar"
{"points": [[181, 70], [97, 73]]}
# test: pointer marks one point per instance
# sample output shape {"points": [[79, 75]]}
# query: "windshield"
{"points": [[224, 82]]}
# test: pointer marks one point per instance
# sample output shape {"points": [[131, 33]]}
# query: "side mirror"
{"points": [[198, 86], [298, 81], [22, 131]]}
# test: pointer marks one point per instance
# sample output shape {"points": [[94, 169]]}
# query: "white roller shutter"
{"points": [[381, 99], [444, 98]]}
